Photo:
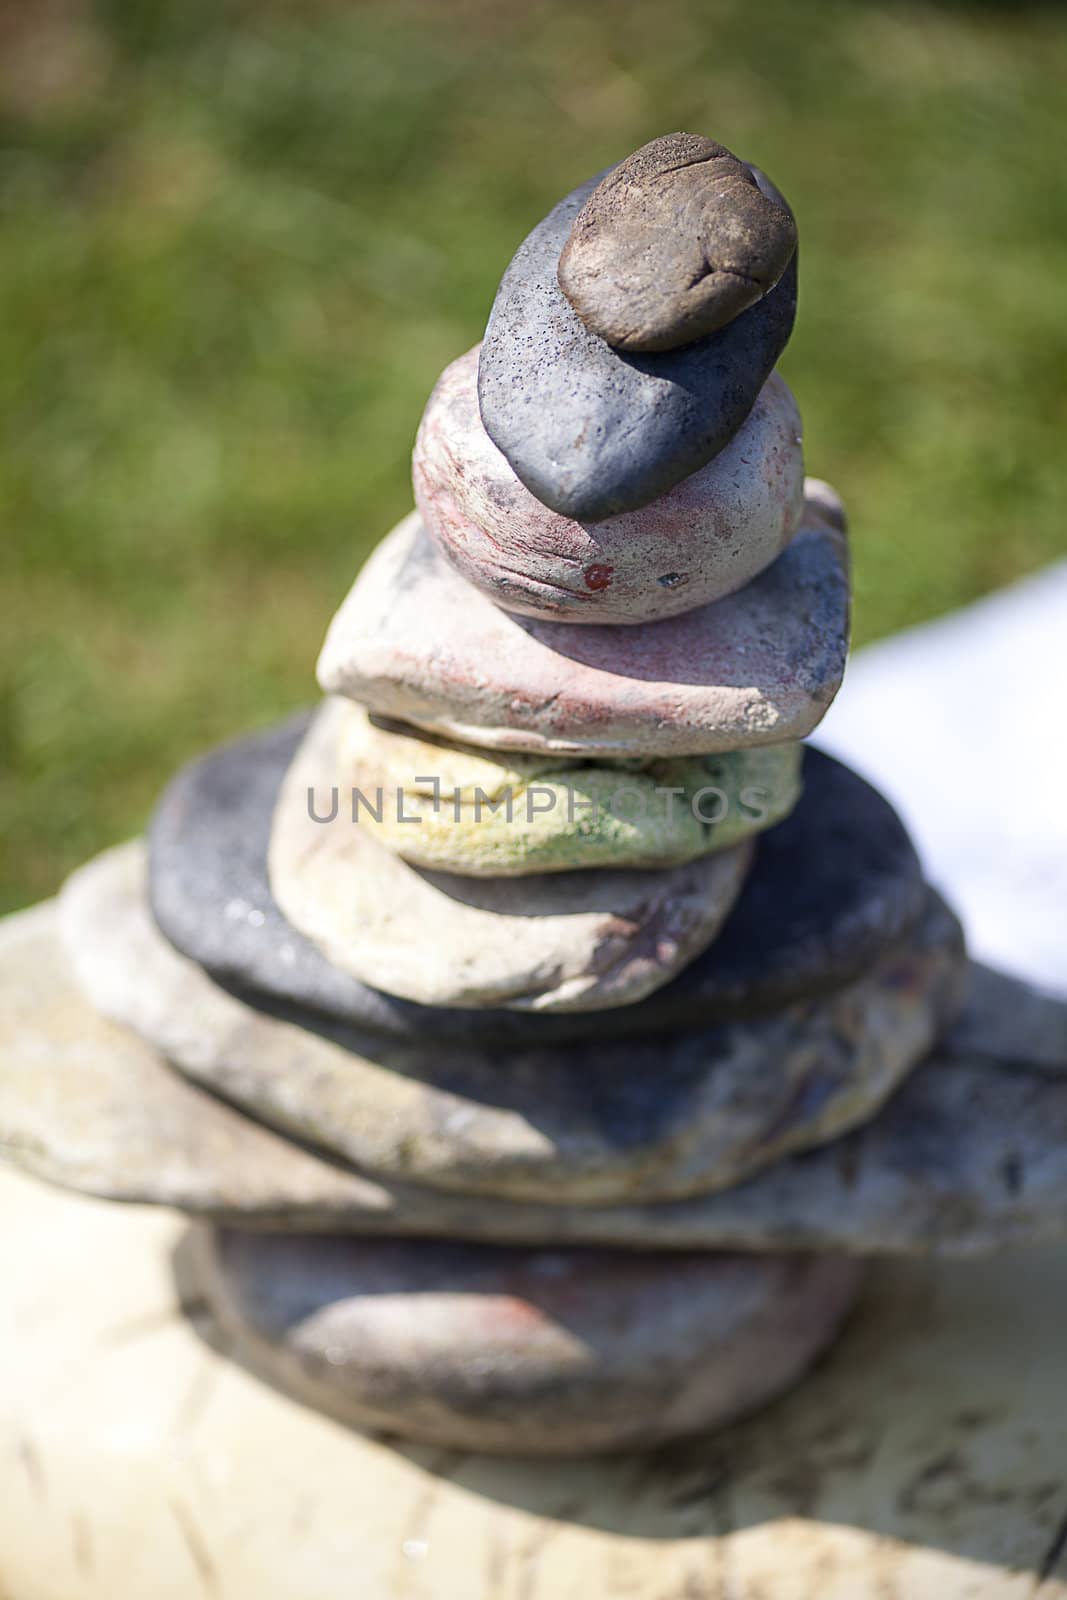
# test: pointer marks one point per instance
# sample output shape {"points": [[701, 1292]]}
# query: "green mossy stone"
{"points": [[481, 813]]}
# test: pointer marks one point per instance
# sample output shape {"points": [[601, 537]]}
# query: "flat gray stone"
{"points": [[705, 538], [674, 243], [592, 431], [415, 641], [563, 941], [832, 889], [584, 1123], [970, 1155], [525, 1352]]}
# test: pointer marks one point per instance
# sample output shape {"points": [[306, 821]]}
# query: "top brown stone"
{"points": [[675, 242]]}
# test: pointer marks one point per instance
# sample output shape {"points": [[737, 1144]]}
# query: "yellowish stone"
{"points": [[485, 813]]}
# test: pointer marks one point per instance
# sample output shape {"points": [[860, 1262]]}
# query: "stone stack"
{"points": [[543, 1034]]}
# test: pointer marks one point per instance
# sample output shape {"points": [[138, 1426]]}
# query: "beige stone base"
{"points": [[926, 1459]]}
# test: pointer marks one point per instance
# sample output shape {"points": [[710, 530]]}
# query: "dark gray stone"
{"points": [[674, 243], [833, 887], [593, 431], [531, 1352]]}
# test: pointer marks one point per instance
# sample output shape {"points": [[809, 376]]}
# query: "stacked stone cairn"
{"points": [[539, 1036]]}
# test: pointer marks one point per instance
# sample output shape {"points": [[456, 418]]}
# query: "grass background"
{"points": [[238, 242]]}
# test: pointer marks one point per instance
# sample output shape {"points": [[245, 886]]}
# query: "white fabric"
{"points": [[961, 723]]}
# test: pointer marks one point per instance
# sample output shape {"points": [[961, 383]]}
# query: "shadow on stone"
{"points": [[912, 1428]]}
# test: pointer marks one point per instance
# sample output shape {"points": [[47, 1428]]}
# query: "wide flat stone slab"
{"points": [[923, 1457], [563, 941], [590, 430], [86, 1104], [522, 1352], [583, 1123], [969, 1156], [705, 538], [832, 888], [452, 807], [413, 640]]}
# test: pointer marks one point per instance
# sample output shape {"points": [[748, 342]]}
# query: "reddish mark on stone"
{"points": [[508, 1312], [598, 576]]}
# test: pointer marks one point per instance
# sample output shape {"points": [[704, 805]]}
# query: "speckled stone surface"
{"points": [[584, 1123], [707, 537], [484, 813], [592, 431], [525, 1352], [562, 941], [414, 641], [832, 888], [969, 1156], [674, 243]]}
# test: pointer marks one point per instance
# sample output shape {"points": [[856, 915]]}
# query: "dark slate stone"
{"points": [[590, 430], [833, 886]]}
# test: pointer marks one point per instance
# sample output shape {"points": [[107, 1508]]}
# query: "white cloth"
{"points": [[961, 724]]}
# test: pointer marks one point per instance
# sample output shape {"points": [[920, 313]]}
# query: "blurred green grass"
{"points": [[238, 242]]}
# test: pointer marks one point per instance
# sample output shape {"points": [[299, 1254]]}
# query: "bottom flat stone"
{"points": [[522, 1352], [922, 1458]]}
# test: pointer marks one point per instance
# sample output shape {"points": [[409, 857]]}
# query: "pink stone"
{"points": [[414, 640], [707, 537]]}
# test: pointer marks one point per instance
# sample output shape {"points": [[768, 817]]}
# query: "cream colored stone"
{"points": [[492, 814], [923, 1460], [552, 942]]}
